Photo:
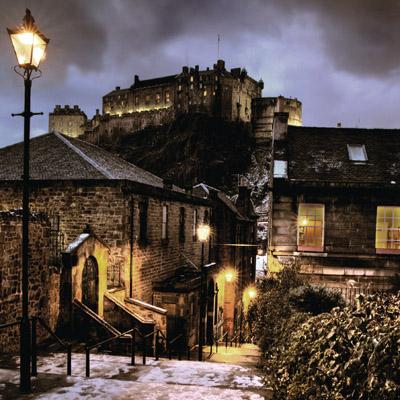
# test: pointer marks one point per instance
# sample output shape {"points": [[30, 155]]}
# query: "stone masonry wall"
{"points": [[43, 283], [107, 209]]}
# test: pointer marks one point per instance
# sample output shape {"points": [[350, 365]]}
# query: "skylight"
{"points": [[280, 169], [357, 152]]}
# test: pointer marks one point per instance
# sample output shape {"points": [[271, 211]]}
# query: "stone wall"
{"points": [[349, 253], [106, 207], [135, 121], [43, 281]]}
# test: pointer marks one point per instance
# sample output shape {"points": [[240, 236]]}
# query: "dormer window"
{"points": [[357, 152], [280, 169]]}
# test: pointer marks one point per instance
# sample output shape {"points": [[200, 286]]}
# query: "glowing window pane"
{"points": [[280, 169], [387, 229], [310, 227], [164, 227], [357, 152]]}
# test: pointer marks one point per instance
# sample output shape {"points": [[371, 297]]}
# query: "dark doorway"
{"points": [[90, 284]]}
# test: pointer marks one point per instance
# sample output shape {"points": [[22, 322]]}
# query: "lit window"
{"points": [[147, 100], [280, 169], [136, 100], [201, 85], [387, 230], [167, 97], [158, 98], [191, 86], [357, 152], [191, 79], [164, 226], [205, 93], [310, 227], [179, 87]]}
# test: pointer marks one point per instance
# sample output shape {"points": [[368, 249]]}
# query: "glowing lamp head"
{"points": [[203, 232], [29, 43], [229, 276], [252, 293]]}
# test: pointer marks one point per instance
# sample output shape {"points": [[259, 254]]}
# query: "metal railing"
{"points": [[157, 335], [132, 332], [66, 346]]}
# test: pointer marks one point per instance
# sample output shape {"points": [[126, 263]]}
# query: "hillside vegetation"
{"points": [[194, 148]]}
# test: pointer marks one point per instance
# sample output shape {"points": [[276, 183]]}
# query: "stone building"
{"points": [[71, 121], [117, 231], [233, 249], [336, 206]]}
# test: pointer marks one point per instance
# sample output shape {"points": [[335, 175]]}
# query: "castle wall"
{"points": [[43, 282], [263, 114], [135, 121]]}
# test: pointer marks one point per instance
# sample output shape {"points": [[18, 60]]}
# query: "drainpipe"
{"points": [[131, 251]]}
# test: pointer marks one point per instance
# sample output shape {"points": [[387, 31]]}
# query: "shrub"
{"points": [[351, 353], [315, 299]]}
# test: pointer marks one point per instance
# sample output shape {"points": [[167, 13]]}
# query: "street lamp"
{"points": [[203, 233], [29, 45]]}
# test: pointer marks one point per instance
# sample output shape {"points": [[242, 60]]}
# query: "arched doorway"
{"points": [[90, 284]]}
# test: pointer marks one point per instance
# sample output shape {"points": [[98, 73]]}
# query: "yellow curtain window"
{"points": [[387, 238], [310, 227]]}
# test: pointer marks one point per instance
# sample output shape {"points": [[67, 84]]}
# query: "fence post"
{"points": [[156, 344], [188, 353], [87, 362], [133, 337], [144, 350], [226, 342], [69, 360], [34, 348]]}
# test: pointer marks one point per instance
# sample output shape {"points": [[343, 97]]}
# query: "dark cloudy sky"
{"points": [[341, 58]]}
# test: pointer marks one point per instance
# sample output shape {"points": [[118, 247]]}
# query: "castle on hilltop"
{"points": [[228, 94]]}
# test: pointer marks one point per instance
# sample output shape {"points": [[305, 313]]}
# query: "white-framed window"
{"points": [[280, 169], [164, 225], [310, 227], [387, 234], [357, 152]]}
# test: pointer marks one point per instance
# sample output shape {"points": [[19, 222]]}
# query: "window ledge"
{"points": [[388, 251]]}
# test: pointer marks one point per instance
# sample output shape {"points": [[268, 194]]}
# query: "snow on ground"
{"points": [[113, 378]]}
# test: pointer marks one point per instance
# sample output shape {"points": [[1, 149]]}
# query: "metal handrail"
{"points": [[66, 346], [9, 324], [133, 332]]}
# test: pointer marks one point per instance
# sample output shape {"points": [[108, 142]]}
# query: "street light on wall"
{"points": [[29, 45], [203, 234]]}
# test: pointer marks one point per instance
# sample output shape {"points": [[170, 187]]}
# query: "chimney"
{"points": [[136, 79], [220, 65], [58, 107], [280, 124], [117, 87], [196, 68], [185, 70], [66, 107], [76, 107], [339, 125]]}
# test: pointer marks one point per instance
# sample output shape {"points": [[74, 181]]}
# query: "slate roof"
{"points": [[321, 154], [153, 82], [54, 156]]}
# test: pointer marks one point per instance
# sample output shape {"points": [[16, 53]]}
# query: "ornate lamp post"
{"points": [[203, 233], [29, 45]]}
